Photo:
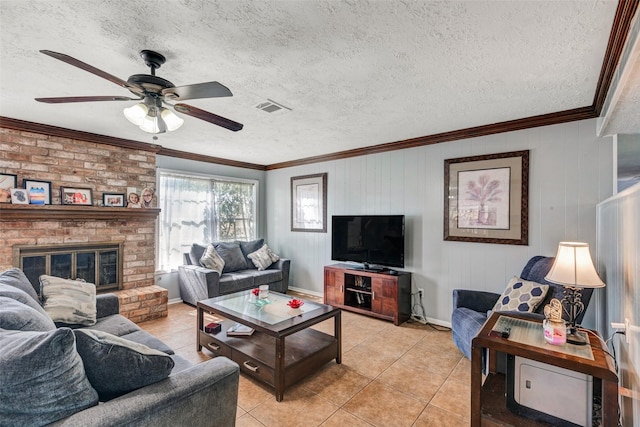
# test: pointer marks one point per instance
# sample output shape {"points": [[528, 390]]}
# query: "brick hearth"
{"points": [[69, 162], [143, 304]]}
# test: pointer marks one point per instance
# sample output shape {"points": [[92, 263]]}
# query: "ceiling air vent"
{"points": [[271, 106]]}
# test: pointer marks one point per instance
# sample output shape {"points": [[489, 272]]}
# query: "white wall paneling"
{"points": [[570, 173], [618, 256]]}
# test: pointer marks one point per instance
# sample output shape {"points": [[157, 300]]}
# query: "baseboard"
{"points": [[306, 291], [174, 300], [439, 322]]}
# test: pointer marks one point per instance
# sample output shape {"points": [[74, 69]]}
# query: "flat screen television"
{"points": [[374, 240]]}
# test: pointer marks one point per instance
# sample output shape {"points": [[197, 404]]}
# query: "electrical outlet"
{"points": [[624, 327], [627, 333]]}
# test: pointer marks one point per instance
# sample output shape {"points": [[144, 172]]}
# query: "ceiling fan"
{"points": [[153, 92]]}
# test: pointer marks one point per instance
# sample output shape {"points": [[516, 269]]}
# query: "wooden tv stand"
{"points": [[377, 294]]}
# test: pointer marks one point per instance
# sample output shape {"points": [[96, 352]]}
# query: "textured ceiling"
{"points": [[353, 73]]}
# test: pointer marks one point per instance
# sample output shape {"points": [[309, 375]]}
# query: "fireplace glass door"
{"points": [[98, 264]]}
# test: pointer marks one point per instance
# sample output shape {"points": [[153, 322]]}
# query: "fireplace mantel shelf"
{"points": [[10, 212]]}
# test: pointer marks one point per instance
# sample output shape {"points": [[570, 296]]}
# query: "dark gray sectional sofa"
{"points": [[43, 378]]}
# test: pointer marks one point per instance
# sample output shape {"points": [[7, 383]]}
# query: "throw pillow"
{"points": [[263, 257], [16, 278], [42, 378], [250, 247], [232, 256], [70, 302], [16, 316], [196, 252], [116, 366], [212, 260], [521, 295], [23, 297]]}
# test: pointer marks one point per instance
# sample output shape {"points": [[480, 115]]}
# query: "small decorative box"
{"points": [[213, 328]]}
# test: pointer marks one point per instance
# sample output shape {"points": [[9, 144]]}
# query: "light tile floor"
{"points": [[407, 375]]}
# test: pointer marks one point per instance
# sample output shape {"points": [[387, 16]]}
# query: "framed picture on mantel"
{"points": [[39, 191], [486, 198], [113, 200], [7, 182], [76, 196]]}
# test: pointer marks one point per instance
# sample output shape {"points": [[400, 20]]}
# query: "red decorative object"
{"points": [[256, 291], [295, 303]]}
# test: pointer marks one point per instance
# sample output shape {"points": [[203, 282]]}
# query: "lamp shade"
{"points": [[136, 113], [152, 117], [573, 267], [172, 120], [152, 124]]}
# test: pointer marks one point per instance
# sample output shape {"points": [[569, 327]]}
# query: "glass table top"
{"points": [[531, 333], [270, 310]]}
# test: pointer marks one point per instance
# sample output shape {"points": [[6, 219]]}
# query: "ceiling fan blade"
{"points": [[197, 91], [84, 66], [208, 117], [63, 100]]}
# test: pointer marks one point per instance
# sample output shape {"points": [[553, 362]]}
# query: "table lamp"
{"points": [[573, 269]]}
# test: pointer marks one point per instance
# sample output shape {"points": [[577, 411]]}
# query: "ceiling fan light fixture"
{"points": [[153, 124], [136, 113], [150, 115], [172, 120]]}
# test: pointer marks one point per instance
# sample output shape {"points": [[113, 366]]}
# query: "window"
{"points": [[202, 209]]}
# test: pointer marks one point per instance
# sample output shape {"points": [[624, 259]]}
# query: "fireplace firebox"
{"points": [[99, 263]]}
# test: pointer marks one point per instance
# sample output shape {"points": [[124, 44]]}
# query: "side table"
{"points": [[600, 367]]}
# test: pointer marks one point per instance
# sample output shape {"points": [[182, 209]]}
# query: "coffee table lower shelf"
{"points": [[304, 353]]}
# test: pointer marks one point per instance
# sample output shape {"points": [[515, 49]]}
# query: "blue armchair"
{"points": [[470, 307]]}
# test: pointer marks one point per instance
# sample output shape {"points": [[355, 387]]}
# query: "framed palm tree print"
{"points": [[487, 198]]}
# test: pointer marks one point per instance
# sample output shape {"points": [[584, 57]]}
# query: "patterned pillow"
{"points": [[42, 378], [211, 259], [521, 295], [263, 257], [70, 302], [116, 366]]}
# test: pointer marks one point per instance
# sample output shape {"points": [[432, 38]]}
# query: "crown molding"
{"points": [[474, 132]]}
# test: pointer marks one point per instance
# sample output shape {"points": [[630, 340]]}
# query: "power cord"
{"points": [[421, 316], [597, 409], [615, 362]]}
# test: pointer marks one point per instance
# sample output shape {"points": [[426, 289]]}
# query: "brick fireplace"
{"points": [[67, 162]]}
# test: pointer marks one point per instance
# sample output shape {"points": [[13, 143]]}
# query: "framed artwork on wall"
{"points": [[39, 191], [76, 196], [309, 203], [113, 200], [7, 182], [486, 198]]}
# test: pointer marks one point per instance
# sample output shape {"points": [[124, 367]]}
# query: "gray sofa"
{"points": [[45, 381], [198, 283]]}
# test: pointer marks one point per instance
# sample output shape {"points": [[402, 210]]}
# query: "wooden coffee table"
{"points": [[283, 349]]}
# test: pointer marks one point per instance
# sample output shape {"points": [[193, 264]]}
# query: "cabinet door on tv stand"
{"points": [[333, 287], [385, 296]]}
